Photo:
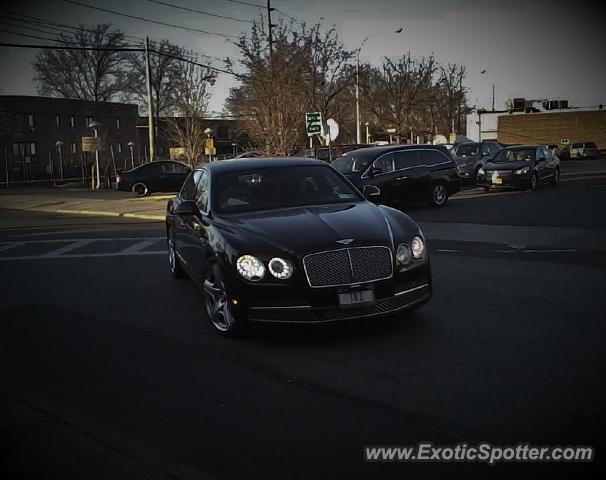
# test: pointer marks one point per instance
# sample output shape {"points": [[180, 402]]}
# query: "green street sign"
{"points": [[313, 123]]}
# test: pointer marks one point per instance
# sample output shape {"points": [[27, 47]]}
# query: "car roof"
{"points": [[392, 148], [519, 147], [240, 164]]}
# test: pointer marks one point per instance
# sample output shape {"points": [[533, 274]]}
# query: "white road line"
{"points": [[446, 250], [8, 246], [84, 255], [555, 250], [137, 247], [67, 248], [65, 240]]}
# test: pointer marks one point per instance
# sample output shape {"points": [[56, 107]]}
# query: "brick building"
{"points": [[31, 126], [554, 127]]}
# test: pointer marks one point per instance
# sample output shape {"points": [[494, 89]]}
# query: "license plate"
{"points": [[356, 298]]}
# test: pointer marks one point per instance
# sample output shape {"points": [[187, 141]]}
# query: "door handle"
{"points": [[404, 177]]}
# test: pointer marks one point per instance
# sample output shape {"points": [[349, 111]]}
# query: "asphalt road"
{"points": [[108, 368]]}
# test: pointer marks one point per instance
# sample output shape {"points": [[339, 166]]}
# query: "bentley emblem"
{"points": [[345, 241]]}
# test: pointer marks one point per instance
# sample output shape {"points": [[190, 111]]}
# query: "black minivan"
{"points": [[403, 172]]}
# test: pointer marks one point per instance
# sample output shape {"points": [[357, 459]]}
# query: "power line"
{"points": [[200, 11], [71, 47], [31, 20], [135, 17], [27, 27], [33, 36], [256, 5], [114, 49]]}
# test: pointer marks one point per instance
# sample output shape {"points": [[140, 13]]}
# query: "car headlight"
{"points": [[250, 267], [521, 171], [403, 255], [280, 268], [418, 248], [481, 171]]}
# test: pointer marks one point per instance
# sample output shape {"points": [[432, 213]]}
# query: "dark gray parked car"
{"points": [[471, 156]]}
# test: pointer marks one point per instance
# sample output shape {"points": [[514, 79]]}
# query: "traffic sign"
{"points": [[313, 123], [91, 144]]}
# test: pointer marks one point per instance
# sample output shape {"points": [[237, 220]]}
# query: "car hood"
{"points": [[507, 165], [301, 230], [465, 159]]}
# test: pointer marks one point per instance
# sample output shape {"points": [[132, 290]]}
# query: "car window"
{"points": [[577, 145], [167, 167], [188, 190], [432, 157], [407, 159], [180, 168], [590, 145], [541, 154], [385, 163], [485, 149], [493, 148], [202, 189]]}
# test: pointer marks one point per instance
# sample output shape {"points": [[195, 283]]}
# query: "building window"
{"points": [[24, 149], [72, 121], [74, 147], [117, 123], [57, 120], [30, 120], [89, 120], [119, 145]]}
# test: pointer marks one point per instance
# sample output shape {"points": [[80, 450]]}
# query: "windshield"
{"points": [[466, 149], [279, 187], [353, 162], [590, 145], [515, 155]]}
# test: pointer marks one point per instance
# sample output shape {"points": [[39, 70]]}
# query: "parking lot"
{"points": [[109, 366]]}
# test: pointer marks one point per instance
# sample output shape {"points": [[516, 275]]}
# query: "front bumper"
{"points": [[291, 304], [504, 180]]}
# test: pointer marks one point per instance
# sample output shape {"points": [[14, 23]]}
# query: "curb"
{"points": [[98, 213]]}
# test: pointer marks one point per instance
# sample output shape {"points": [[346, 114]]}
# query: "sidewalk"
{"points": [[85, 202]]}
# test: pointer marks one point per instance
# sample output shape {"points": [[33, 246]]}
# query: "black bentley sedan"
{"points": [[291, 240], [159, 176], [523, 166], [403, 172]]}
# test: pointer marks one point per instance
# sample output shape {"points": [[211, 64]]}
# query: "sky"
{"points": [[528, 48]]}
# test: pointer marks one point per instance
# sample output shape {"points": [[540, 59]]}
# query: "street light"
{"points": [[95, 125], [132, 155], [59, 145]]}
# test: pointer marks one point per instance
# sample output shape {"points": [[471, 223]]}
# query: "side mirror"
{"points": [[187, 207], [371, 192]]}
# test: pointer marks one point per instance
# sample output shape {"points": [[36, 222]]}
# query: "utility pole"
{"points": [[358, 136], [493, 97], [150, 113], [269, 27]]}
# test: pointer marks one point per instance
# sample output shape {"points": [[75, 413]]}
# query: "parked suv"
{"points": [[403, 172], [584, 150], [471, 156]]}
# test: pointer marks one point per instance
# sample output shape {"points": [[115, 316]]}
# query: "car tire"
{"points": [[533, 182], [216, 305], [438, 195], [140, 189], [556, 176], [174, 264]]}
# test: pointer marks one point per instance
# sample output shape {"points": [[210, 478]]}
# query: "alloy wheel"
{"points": [[215, 301], [439, 194]]}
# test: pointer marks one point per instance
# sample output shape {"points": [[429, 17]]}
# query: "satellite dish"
{"points": [[333, 130]]}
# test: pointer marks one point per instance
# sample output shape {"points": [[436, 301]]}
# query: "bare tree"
{"points": [[187, 129], [166, 70], [97, 75], [305, 71], [399, 92]]}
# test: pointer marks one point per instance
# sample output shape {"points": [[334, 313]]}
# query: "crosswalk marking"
{"points": [[8, 246], [67, 248], [137, 247]]}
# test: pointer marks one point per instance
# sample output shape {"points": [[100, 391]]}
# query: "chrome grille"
{"points": [[348, 266]]}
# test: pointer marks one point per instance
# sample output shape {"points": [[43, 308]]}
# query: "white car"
{"points": [[583, 150]]}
